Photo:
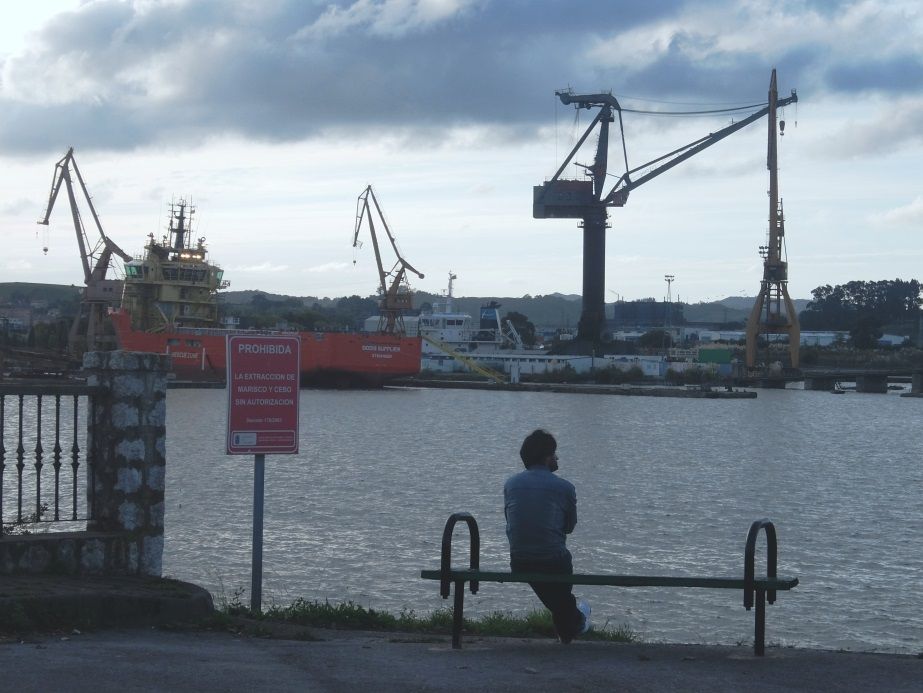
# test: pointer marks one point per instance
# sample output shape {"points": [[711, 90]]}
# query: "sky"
{"points": [[272, 116]]}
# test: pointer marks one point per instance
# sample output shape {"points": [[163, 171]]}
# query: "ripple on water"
{"points": [[664, 486]]}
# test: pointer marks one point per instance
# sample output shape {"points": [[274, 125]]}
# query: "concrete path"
{"points": [[158, 660]]}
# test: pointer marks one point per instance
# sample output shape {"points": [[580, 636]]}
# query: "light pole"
{"points": [[666, 320]]}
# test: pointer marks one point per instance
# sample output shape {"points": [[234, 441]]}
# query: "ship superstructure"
{"points": [[173, 285]]}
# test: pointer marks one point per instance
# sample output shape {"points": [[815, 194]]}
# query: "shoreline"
{"points": [[578, 388]]}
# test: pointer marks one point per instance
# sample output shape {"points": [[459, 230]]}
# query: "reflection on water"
{"points": [[665, 486]]}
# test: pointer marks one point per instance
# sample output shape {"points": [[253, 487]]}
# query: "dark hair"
{"points": [[537, 446]]}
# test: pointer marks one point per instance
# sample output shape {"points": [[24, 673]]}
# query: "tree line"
{"points": [[865, 309]]}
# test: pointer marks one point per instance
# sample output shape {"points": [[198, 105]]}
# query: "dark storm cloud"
{"points": [[118, 75], [899, 74]]}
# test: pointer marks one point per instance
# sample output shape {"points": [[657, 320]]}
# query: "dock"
{"points": [[579, 388]]}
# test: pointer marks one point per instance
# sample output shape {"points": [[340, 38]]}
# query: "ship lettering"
{"points": [[380, 347], [183, 354]]}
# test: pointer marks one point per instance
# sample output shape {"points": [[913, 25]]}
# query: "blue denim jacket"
{"points": [[540, 509]]}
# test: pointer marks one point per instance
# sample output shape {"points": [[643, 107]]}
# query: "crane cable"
{"points": [[687, 113]]}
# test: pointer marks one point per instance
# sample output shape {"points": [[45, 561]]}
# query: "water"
{"points": [[664, 486]]}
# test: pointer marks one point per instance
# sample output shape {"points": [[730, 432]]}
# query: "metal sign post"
{"points": [[263, 374]]}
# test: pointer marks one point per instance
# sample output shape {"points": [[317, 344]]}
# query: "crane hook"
{"points": [[782, 128]]}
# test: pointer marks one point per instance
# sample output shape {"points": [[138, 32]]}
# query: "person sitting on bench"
{"points": [[541, 510]]}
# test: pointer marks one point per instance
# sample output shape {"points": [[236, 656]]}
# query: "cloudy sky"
{"points": [[273, 116]]}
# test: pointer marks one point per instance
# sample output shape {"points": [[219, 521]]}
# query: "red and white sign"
{"points": [[263, 373]]}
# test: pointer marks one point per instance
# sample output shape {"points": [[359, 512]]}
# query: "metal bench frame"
{"points": [[757, 591]]}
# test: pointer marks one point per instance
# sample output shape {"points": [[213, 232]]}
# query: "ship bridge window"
{"points": [[193, 343], [133, 271], [170, 273], [188, 274], [172, 341]]}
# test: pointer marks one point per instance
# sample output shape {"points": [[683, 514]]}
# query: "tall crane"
{"points": [[767, 315], [393, 287], [587, 199], [99, 293]]}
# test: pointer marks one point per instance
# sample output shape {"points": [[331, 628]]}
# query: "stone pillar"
{"points": [[819, 382], [127, 430], [872, 383]]}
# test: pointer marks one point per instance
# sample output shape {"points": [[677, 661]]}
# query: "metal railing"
{"points": [[44, 442]]}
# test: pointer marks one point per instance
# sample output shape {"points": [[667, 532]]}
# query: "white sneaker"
{"points": [[584, 608]]}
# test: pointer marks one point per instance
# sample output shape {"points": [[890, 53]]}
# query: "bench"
{"points": [[757, 591]]}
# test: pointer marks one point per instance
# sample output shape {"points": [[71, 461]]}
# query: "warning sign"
{"points": [[263, 373]]}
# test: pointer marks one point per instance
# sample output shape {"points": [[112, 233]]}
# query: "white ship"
{"points": [[452, 340]]}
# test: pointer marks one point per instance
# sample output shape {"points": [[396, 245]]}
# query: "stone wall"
{"points": [[126, 468]]}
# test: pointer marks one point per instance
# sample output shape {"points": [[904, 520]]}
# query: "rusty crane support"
{"points": [[773, 312]]}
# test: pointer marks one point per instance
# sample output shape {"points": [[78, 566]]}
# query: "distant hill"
{"points": [[746, 302], [551, 310], [37, 292]]}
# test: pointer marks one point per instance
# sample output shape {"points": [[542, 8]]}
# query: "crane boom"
{"points": [[395, 295], [588, 201], [101, 252]]}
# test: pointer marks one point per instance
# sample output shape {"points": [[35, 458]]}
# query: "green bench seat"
{"points": [[757, 591]]}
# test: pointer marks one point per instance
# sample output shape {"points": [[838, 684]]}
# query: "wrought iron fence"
{"points": [[44, 444]]}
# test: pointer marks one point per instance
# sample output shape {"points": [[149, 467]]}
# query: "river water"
{"points": [[664, 486]]}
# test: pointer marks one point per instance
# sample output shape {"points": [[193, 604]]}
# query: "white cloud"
{"points": [[393, 18], [18, 265], [262, 267], [906, 215], [328, 267]]}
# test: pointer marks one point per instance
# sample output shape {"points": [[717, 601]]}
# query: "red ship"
{"points": [[170, 306]]}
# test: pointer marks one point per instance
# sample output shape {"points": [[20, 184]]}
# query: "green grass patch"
{"points": [[349, 615]]}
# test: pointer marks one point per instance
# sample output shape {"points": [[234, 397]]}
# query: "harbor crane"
{"points": [[588, 200], [393, 288], [767, 315], [87, 331]]}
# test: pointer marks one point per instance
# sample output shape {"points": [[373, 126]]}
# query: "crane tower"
{"points": [[767, 315]]}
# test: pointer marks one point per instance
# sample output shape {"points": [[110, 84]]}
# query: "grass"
{"points": [[349, 615]]}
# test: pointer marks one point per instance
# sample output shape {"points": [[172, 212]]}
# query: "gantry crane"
{"points": [[99, 293], [767, 315], [393, 287], [588, 200]]}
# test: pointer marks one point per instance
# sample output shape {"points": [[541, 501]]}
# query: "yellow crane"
{"points": [[488, 373], [99, 293], [773, 312], [393, 288]]}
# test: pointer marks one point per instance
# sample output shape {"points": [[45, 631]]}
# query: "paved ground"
{"points": [[157, 660], [116, 653]]}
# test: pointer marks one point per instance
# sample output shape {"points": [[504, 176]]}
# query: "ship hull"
{"points": [[328, 359]]}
